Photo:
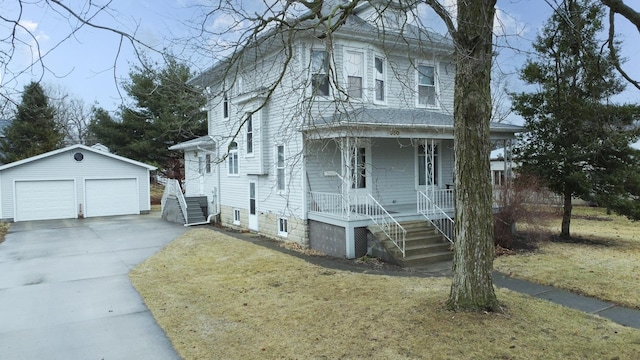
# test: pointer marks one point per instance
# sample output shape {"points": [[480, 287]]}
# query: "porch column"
{"points": [[508, 160]]}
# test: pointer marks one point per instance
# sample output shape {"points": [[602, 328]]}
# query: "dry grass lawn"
{"points": [[4, 228], [218, 297], [604, 262]]}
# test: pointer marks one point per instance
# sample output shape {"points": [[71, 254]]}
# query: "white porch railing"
{"points": [[435, 214], [172, 188], [390, 226], [359, 206]]}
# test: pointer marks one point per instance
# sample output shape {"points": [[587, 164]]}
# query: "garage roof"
{"points": [[76, 147]]}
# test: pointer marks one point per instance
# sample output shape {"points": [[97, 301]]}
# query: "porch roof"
{"points": [[203, 141], [394, 118]]}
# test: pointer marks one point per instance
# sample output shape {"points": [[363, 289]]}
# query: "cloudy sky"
{"points": [[90, 63]]}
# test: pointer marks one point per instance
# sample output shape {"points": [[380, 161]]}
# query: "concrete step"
{"points": [[425, 259]]}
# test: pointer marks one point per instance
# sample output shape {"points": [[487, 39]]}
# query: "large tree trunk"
{"points": [[566, 216], [472, 285]]}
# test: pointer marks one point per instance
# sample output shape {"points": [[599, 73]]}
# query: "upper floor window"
{"points": [[353, 63], [280, 173], [225, 106], [233, 158], [320, 72], [426, 85], [249, 124], [379, 75]]}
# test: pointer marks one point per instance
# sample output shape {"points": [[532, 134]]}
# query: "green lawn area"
{"points": [[219, 297], [603, 261]]}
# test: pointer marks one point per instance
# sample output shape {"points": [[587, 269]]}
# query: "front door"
{"points": [[253, 213], [357, 168], [428, 166]]}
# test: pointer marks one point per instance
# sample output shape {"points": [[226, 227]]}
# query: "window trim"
{"points": [[283, 226], [236, 216], [281, 168], [249, 132], [233, 166], [383, 80], [436, 90], [225, 106], [327, 61], [207, 164], [348, 76]]}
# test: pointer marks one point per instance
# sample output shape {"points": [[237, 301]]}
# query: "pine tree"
{"points": [[578, 141], [33, 130]]}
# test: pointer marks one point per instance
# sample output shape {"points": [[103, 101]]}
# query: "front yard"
{"points": [[603, 259], [220, 297]]}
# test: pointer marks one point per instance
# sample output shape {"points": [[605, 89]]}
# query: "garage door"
{"points": [[44, 200], [106, 197]]}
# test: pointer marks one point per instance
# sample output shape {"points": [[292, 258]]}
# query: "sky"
{"points": [[91, 63]]}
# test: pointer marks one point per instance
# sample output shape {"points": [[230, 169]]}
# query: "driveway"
{"points": [[65, 293]]}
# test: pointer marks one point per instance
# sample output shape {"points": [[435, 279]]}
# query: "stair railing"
{"points": [[173, 189], [436, 216], [387, 223]]}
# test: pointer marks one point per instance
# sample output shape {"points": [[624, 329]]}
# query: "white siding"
{"points": [[63, 165]]}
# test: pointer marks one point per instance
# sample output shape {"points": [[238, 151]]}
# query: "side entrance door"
{"points": [[253, 212]]}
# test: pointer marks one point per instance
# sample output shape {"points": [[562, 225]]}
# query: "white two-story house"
{"points": [[328, 140]]}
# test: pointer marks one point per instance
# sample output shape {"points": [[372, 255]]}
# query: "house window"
{"points": [[498, 177], [380, 78], [233, 158], [236, 217], [358, 168], [426, 85], [225, 106], [283, 227], [428, 165], [353, 63], [320, 72], [200, 165], [207, 164], [249, 124], [280, 167]]}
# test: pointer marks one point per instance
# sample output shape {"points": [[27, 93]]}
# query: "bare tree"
{"points": [[71, 114]]}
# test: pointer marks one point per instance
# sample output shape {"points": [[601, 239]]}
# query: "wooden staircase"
{"points": [[424, 245]]}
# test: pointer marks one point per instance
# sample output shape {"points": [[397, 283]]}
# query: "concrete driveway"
{"points": [[65, 294]]}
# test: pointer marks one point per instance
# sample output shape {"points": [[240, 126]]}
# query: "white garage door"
{"points": [[106, 197], [44, 200]]}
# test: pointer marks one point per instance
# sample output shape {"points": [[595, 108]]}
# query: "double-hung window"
{"points": [[379, 74], [426, 86], [249, 125], [320, 72], [280, 167], [233, 158], [353, 63]]}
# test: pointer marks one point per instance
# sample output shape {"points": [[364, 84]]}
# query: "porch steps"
{"points": [[195, 212], [423, 244]]}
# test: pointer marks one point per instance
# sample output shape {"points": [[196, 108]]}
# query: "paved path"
{"points": [[65, 292]]}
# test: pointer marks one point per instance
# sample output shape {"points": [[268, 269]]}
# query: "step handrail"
{"points": [[387, 223], [443, 223], [172, 188]]}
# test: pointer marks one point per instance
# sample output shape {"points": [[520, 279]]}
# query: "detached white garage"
{"points": [[76, 181]]}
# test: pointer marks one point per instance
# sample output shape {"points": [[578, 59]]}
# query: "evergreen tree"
{"points": [[33, 131], [577, 140], [166, 111]]}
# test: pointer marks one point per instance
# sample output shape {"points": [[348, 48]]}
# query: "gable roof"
{"points": [[74, 147]]}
